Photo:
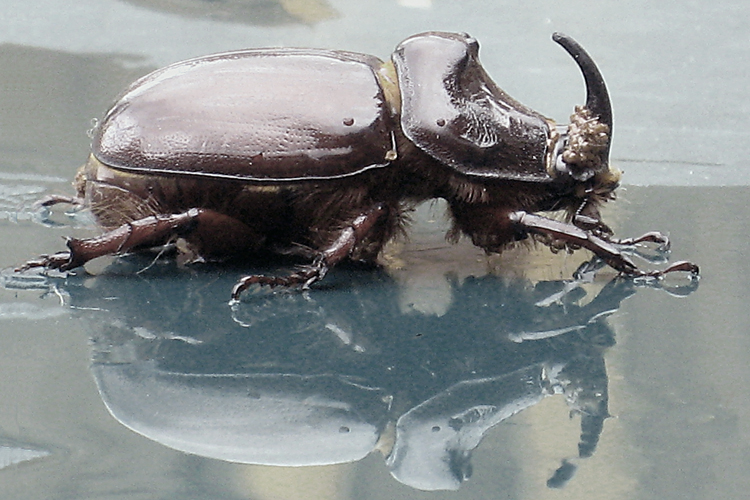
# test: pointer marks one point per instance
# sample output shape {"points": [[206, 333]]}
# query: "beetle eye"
{"points": [[560, 165]]}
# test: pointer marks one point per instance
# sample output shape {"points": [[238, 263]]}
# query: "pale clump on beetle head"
{"points": [[588, 144]]}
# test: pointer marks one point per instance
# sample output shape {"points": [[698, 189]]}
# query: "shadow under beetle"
{"points": [[322, 153]]}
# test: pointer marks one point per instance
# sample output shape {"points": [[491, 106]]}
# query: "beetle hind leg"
{"points": [[142, 233], [59, 199]]}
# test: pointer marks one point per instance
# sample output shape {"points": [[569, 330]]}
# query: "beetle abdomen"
{"points": [[257, 115]]}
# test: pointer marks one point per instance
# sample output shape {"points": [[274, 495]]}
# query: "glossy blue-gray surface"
{"points": [[446, 370]]}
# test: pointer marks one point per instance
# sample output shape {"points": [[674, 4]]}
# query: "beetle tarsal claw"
{"points": [[62, 261], [662, 240], [301, 279], [682, 266], [56, 199]]}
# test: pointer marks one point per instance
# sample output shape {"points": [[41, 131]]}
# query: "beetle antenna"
{"points": [[597, 96]]}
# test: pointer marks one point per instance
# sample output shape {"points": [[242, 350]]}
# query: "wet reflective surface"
{"points": [[444, 370]]}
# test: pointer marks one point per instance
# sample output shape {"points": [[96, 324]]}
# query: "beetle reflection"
{"points": [[298, 379], [253, 12]]}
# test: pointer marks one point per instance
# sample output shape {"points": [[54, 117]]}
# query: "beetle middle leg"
{"points": [[337, 251], [604, 248]]}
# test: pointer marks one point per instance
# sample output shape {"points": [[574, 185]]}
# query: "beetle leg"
{"points": [[587, 217], [56, 199], [606, 250], [650, 237], [304, 277], [149, 231], [339, 250], [591, 224]]}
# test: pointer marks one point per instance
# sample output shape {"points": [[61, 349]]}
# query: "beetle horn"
{"points": [[597, 97], [590, 130]]}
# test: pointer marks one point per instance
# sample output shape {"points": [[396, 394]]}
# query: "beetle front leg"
{"points": [[588, 218], [651, 237], [337, 251], [605, 249], [149, 231]]}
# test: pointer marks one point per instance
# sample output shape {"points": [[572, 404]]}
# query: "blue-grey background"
{"points": [[677, 73]]}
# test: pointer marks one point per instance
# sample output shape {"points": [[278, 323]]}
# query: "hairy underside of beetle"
{"points": [[240, 219]]}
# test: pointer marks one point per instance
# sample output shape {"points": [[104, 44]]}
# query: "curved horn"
{"points": [[597, 97]]}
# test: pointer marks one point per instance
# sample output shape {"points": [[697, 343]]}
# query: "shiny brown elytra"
{"points": [[321, 153]]}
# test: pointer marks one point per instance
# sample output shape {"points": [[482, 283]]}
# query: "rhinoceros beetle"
{"points": [[321, 154]]}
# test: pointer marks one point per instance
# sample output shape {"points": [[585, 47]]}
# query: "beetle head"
{"points": [[583, 152], [453, 111]]}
